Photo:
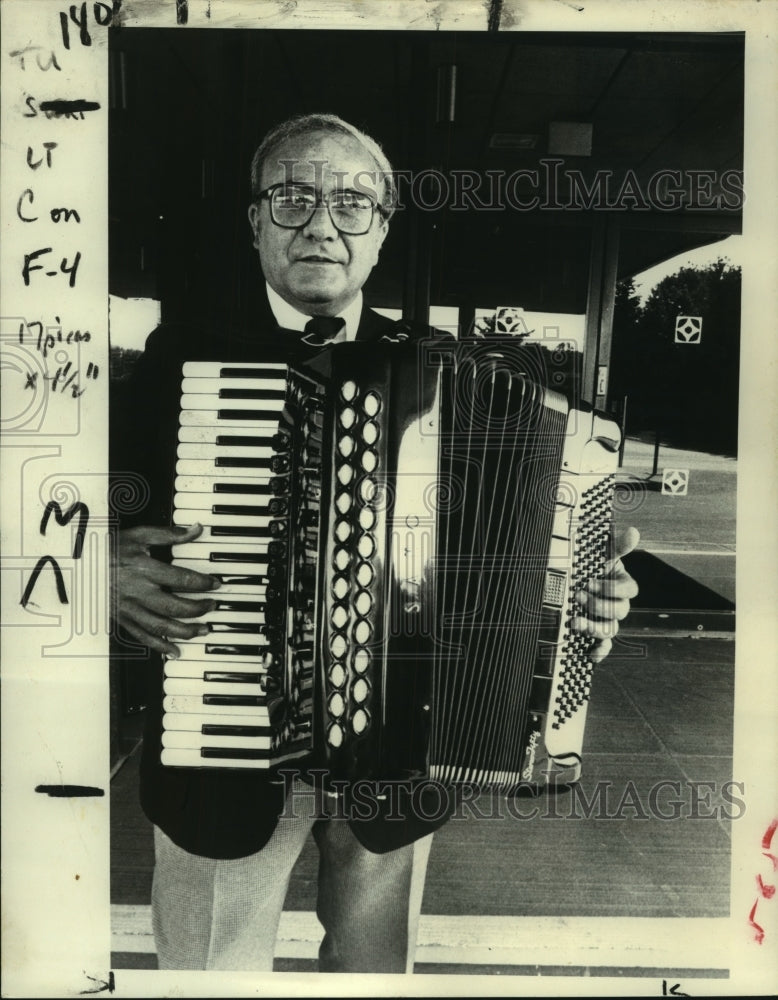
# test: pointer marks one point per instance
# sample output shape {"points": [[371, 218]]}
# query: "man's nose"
{"points": [[320, 225]]}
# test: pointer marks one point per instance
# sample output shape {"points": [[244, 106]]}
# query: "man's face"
{"points": [[317, 269]]}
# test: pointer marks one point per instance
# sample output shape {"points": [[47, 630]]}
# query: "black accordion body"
{"points": [[399, 545]]}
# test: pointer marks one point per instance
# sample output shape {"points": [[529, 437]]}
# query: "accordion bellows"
{"points": [[399, 545]]}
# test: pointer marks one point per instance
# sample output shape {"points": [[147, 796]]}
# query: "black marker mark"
{"points": [[62, 593], [182, 11], [672, 991], [48, 146], [70, 791], [57, 214], [29, 266], [59, 108], [28, 196], [495, 13], [102, 13], [37, 49], [101, 985], [52, 507]]}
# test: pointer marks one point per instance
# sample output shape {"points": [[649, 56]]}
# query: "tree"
{"points": [[686, 391]]}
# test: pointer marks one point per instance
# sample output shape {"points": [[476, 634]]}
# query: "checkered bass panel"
{"points": [[590, 552]]}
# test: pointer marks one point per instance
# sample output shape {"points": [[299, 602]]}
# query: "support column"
{"points": [[603, 272]]}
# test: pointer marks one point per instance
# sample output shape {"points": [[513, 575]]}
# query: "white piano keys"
{"points": [[208, 518], [209, 401], [193, 722], [190, 705], [181, 739], [227, 639], [197, 669], [194, 686], [227, 568], [206, 501], [213, 418], [216, 369], [192, 653], [212, 433], [229, 592], [225, 484], [216, 386], [175, 757], [205, 449], [228, 617], [208, 467], [200, 549]]}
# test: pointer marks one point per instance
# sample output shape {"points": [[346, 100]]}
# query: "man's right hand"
{"points": [[146, 595]]}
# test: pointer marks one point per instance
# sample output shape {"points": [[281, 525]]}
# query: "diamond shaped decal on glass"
{"points": [[675, 482], [688, 329]]}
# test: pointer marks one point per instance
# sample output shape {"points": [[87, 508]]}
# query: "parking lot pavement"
{"points": [[686, 515]]}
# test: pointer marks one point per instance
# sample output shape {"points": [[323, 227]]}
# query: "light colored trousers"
{"points": [[215, 914]]}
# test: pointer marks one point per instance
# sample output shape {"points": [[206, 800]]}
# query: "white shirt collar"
{"points": [[292, 319]]}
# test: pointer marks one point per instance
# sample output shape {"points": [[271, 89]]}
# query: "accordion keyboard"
{"points": [[239, 695]]}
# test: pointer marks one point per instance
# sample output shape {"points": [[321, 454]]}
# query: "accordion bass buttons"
{"points": [[371, 404], [346, 445], [343, 503], [369, 460], [370, 432], [366, 546], [356, 519], [345, 474], [363, 603], [349, 391], [362, 632], [361, 661], [360, 690], [337, 675], [339, 616], [336, 705], [359, 721], [348, 417], [338, 646], [335, 735]]}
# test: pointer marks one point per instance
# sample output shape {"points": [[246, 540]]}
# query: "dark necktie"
{"points": [[320, 330]]}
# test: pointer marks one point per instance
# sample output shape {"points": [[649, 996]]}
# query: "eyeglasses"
{"points": [[292, 207]]}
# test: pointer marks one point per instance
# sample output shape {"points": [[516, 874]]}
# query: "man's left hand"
{"points": [[606, 600]]}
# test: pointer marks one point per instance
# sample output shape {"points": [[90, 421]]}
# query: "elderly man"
{"points": [[224, 843]]}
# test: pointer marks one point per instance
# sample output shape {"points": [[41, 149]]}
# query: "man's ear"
{"points": [[254, 223], [383, 233]]}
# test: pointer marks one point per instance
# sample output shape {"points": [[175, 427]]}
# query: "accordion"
{"points": [[399, 544]]}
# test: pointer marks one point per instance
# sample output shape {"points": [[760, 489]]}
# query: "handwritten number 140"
{"points": [[102, 13]]}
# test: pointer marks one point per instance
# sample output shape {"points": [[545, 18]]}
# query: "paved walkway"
{"points": [[546, 885]]}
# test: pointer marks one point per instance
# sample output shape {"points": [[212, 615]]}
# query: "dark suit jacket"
{"points": [[224, 813]]}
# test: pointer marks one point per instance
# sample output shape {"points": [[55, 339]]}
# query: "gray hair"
{"points": [[308, 124]]}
